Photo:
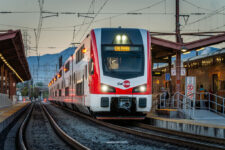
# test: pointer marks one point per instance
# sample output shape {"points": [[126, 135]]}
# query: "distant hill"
{"points": [[48, 65]]}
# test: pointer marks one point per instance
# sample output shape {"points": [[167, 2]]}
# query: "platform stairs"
{"points": [[196, 106]]}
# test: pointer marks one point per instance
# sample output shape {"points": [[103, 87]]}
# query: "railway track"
{"points": [[96, 136], [23, 141], [163, 135]]}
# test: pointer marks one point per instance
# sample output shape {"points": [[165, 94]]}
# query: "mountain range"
{"points": [[48, 65]]}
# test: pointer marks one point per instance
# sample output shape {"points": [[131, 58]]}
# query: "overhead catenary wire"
{"points": [[99, 10], [208, 16], [89, 11], [194, 5]]}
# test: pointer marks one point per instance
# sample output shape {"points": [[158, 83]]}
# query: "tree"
{"points": [[24, 91]]}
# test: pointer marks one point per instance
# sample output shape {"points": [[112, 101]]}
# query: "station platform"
{"points": [[206, 123], [10, 113]]}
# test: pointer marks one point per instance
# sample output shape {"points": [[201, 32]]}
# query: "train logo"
{"points": [[126, 83]]}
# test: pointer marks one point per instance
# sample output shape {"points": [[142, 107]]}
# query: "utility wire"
{"points": [[99, 10], [89, 11], [194, 5], [16, 26], [132, 12], [208, 16]]}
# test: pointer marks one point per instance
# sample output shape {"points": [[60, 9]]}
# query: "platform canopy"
{"points": [[12, 55], [162, 49]]}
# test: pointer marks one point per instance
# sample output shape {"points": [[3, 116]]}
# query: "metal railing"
{"points": [[184, 104], [164, 102], [178, 101], [211, 102], [187, 105]]}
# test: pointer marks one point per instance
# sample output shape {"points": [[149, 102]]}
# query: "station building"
{"points": [[13, 65], [208, 70]]}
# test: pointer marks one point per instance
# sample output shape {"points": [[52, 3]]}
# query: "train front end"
{"points": [[120, 84]]}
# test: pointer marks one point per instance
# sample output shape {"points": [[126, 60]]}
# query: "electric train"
{"points": [[109, 76]]}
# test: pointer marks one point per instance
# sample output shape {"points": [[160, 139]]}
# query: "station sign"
{"points": [[182, 71], [190, 87], [156, 73], [167, 76]]}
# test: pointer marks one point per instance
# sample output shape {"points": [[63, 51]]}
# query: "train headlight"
{"points": [[107, 89], [124, 37], [140, 89], [121, 39], [118, 38], [104, 88]]}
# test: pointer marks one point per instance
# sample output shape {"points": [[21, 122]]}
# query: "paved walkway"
{"points": [[208, 117], [8, 111]]}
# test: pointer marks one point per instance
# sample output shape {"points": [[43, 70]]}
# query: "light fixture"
{"points": [[186, 52], [10, 67], [200, 49], [183, 49]]}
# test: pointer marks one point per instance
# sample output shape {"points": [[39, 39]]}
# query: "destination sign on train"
{"points": [[122, 48]]}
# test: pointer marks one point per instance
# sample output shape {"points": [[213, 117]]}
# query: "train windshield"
{"points": [[123, 63], [122, 53]]}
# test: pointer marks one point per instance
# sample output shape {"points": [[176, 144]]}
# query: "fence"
{"points": [[4, 100]]}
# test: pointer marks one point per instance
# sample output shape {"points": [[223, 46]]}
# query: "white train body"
{"points": [[108, 76]]}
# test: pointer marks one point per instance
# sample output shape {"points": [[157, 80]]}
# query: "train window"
{"points": [[86, 72], [67, 91], [67, 67], [60, 74], [80, 54], [80, 88], [91, 67], [60, 93], [74, 79]]}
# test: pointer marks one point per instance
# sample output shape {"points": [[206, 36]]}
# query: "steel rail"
{"points": [[72, 142], [20, 139], [151, 136]]}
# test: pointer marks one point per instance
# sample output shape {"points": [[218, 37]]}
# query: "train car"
{"points": [[108, 76]]}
